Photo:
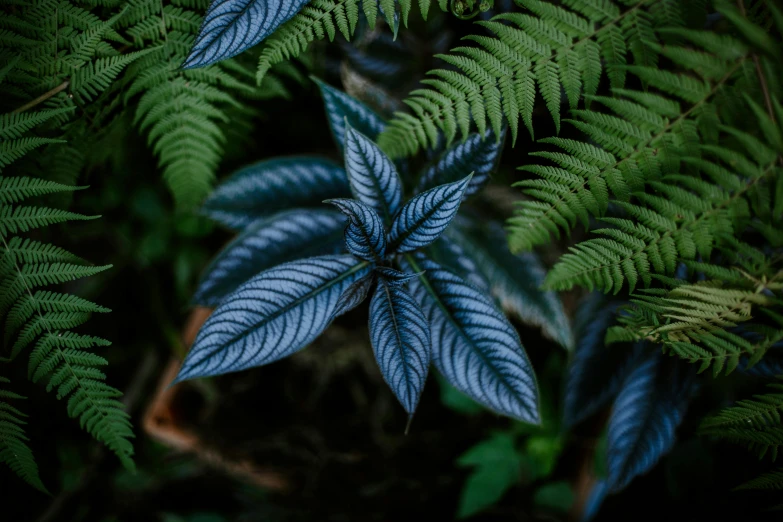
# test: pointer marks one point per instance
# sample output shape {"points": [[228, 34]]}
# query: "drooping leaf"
{"points": [[354, 295], [400, 337], [473, 344], [372, 176], [596, 371], [646, 414], [426, 216], [271, 316], [476, 155], [266, 187], [515, 280], [232, 26], [340, 106], [365, 236], [269, 242]]}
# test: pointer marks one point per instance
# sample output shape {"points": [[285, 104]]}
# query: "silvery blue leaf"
{"points": [[646, 414], [269, 242], [371, 174], [515, 280], [596, 371], [394, 277], [271, 316], [422, 219], [340, 106], [365, 236], [400, 337], [476, 155], [473, 344], [270, 186], [354, 295], [232, 26]]}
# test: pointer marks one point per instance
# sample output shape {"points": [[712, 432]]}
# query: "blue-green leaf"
{"points": [[596, 371], [372, 176], [400, 337], [232, 26], [340, 106], [365, 236], [271, 316], [515, 280], [476, 155], [269, 242], [646, 414], [473, 344], [425, 217], [270, 186]]}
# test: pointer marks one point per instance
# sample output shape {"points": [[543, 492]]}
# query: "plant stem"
{"points": [[42, 98]]}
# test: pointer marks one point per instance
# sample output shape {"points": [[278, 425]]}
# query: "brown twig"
{"points": [[42, 98]]}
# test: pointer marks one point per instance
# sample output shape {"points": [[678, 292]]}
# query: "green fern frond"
{"points": [[11, 151], [648, 134], [316, 21], [44, 318], [13, 190], [180, 110], [675, 220], [496, 81], [95, 77], [770, 480], [755, 423], [13, 126], [14, 451]]}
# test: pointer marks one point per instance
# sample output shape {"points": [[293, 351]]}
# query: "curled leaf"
{"points": [[365, 236]]}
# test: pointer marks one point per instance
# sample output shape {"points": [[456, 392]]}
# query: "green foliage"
{"points": [[183, 112], [544, 48], [43, 318], [321, 19], [771, 480], [14, 451], [755, 423], [496, 466]]}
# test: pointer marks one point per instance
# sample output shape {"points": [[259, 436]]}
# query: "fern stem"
{"points": [[42, 98]]}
